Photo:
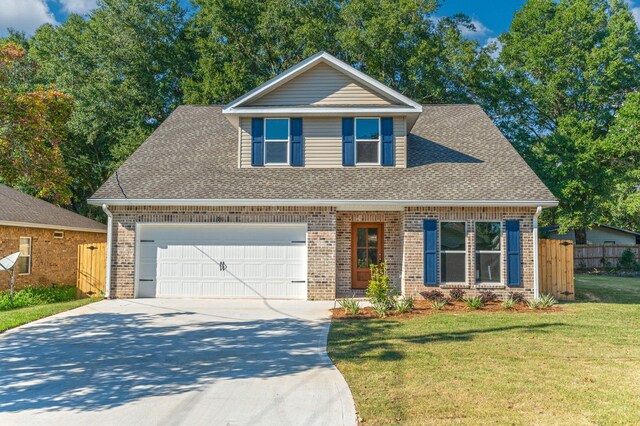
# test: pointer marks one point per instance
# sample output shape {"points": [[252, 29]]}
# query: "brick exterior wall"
{"points": [[329, 242], [392, 247], [413, 279], [53, 260], [321, 238]]}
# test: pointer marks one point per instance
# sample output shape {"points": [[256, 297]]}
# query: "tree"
{"points": [[123, 65], [242, 43], [32, 130], [563, 72]]}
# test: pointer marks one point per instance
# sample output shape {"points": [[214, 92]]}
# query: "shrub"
{"points": [[508, 304], [351, 306], [404, 304], [381, 309], [457, 294], [547, 301], [474, 302], [438, 304], [36, 296], [534, 304], [432, 295], [627, 261], [517, 297], [378, 290], [488, 296]]}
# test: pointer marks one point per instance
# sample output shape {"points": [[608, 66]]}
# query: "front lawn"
{"points": [[16, 317], [580, 365]]}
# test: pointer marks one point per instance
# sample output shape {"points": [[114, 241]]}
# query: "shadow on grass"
{"points": [[352, 338]]}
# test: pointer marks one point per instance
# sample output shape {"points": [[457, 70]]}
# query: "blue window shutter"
{"points": [[387, 141], [257, 142], [513, 253], [348, 142], [296, 141], [430, 252]]}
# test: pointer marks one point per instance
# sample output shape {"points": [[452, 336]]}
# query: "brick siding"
{"points": [[53, 260]]}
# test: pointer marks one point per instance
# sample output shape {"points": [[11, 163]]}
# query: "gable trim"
{"points": [[49, 226], [310, 62]]}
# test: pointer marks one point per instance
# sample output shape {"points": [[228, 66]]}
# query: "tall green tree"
{"points": [[242, 43], [564, 70], [123, 65]]}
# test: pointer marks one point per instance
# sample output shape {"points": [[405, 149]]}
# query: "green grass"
{"points": [[16, 317], [577, 366]]}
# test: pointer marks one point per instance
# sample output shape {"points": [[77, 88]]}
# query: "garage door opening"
{"points": [[222, 260]]}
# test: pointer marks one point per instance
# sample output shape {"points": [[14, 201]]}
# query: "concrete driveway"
{"points": [[170, 362]]}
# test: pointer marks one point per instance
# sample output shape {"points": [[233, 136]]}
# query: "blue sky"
{"points": [[490, 17]]}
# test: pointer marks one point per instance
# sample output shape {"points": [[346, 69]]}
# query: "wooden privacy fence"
{"points": [[556, 268], [92, 269], [589, 256]]}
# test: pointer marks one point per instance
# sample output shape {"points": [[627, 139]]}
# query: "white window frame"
{"points": [[30, 247], [476, 251], [355, 141], [266, 141], [465, 251]]}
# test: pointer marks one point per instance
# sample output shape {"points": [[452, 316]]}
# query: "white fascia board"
{"points": [[288, 111], [47, 226], [371, 204], [308, 63]]}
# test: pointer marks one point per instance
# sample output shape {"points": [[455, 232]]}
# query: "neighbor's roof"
{"points": [[20, 209], [455, 154]]}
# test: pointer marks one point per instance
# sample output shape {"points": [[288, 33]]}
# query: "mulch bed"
{"points": [[423, 307]]}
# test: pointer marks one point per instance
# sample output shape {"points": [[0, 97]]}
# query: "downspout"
{"points": [[105, 208], [536, 278]]}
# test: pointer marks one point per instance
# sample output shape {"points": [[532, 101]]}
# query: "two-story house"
{"points": [[295, 188]]}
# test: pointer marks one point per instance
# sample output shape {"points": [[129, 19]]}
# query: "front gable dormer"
{"points": [[322, 113]]}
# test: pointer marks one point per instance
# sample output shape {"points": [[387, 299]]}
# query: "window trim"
{"points": [[266, 141], [465, 251], [29, 256], [355, 141], [476, 251]]}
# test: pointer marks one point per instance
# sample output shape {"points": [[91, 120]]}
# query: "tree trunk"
{"points": [[581, 236]]}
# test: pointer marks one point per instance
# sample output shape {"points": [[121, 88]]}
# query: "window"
{"points": [[367, 141], [610, 242], [276, 138], [24, 261], [453, 252], [58, 234], [488, 252]]}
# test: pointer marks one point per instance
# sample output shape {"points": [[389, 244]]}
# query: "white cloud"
{"points": [[498, 45], [78, 6], [481, 30], [24, 15]]}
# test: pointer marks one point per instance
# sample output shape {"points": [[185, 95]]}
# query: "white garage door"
{"points": [[222, 260]]}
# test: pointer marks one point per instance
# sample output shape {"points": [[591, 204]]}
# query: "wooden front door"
{"points": [[366, 249]]}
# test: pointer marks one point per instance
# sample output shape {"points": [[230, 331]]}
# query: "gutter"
{"points": [[536, 260], [105, 208]]}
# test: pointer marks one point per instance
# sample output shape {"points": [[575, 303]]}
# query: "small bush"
{"points": [[432, 295], [627, 261], [508, 304], [351, 306], [517, 297], [488, 296], [379, 290], [534, 304], [404, 304], [381, 309], [457, 294], [547, 301], [36, 296], [438, 304], [474, 302]]}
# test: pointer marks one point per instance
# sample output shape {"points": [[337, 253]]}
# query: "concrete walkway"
{"points": [[174, 362]]}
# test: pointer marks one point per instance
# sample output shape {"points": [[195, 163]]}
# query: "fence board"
{"points": [[589, 256], [555, 260], [92, 269]]}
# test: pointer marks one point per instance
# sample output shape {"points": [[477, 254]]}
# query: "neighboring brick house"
{"points": [[47, 237], [292, 190]]}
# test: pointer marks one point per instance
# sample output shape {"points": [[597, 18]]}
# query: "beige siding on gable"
{"points": [[323, 141], [321, 85]]}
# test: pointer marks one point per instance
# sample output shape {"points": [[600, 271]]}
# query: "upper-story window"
{"points": [[276, 141], [367, 140]]}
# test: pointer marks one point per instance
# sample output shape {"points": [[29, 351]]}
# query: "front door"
{"points": [[366, 249]]}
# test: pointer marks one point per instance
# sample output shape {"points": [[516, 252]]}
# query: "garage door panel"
{"points": [[184, 261]]}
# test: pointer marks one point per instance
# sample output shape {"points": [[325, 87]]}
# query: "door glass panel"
{"points": [[373, 237], [373, 256], [362, 258], [362, 237]]}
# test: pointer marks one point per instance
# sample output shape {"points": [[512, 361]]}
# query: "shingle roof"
{"points": [[455, 153], [19, 208]]}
